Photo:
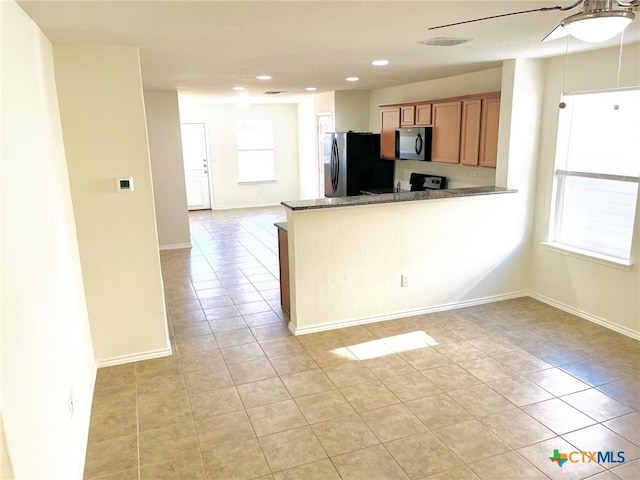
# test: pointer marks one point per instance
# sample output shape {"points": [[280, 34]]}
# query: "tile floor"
{"points": [[485, 392]]}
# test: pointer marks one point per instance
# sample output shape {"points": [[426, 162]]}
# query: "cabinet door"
{"points": [[283, 254], [389, 122], [423, 114], [489, 132], [446, 132], [407, 116], [470, 132]]}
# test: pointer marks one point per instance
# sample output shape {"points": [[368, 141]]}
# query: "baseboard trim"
{"points": [[87, 423], [586, 316], [138, 357], [176, 246], [408, 313], [240, 207]]}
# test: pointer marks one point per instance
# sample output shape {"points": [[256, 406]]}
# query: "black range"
{"points": [[418, 183]]}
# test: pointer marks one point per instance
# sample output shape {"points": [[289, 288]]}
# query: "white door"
{"points": [[196, 166], [325, 124]]}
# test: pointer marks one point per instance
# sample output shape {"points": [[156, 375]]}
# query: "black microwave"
{"points": [[414, 143]]}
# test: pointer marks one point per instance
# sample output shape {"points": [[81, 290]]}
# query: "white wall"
{"points": [[600, 292], [459, 176], [220, 121], [45, 344], [165, 147], [104, 129]]}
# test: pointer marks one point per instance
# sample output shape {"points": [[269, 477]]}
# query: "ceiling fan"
{"points": [[599, 20]]}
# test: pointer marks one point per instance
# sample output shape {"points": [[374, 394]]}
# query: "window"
{"points": [[596, 176], [256, 161]]}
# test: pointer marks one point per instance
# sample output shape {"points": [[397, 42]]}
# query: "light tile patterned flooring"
{"points": [[484, 392]]}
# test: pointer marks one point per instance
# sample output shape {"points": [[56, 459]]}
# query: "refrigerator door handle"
{"points": [[335, 166], [419, 144]]}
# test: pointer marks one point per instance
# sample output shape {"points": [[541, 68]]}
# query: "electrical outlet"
{"points": [[71, 401], [404, 280], [473, 172]]}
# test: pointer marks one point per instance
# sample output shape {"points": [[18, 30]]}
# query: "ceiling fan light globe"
{"points": [[597, 26]]}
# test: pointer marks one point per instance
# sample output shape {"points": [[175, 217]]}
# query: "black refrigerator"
{"points": [[352, 164]]}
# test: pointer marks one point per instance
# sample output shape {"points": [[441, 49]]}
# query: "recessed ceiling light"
{"points": [[237, 89], [380, 63], [352, 79], [264, 77], [311, 89]]}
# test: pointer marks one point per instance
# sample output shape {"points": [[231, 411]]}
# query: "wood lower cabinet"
{"points": [[447, 117], [489, 132], [470, 132], [390, 120], [423, 115], [283, 254]]}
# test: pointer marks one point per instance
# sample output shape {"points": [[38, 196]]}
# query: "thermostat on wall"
{"points": [[124, 184]]}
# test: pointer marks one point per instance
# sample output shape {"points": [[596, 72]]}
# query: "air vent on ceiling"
{"points": [[273, 92], [444, 41]]}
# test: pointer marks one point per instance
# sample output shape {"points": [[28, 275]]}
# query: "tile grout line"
{"points": [[135, 372], [193, 420]]}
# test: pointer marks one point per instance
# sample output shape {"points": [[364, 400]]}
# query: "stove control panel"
{"points": [[422, 181]]}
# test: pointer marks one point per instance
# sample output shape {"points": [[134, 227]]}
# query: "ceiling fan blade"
{"points": [[555, 34], [543, 9]]}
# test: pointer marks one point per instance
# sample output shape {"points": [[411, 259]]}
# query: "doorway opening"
{"points": [[196, 166], [324, 125]]}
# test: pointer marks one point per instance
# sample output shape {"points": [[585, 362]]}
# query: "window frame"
{"points": [[266, 179], [560, 176]]}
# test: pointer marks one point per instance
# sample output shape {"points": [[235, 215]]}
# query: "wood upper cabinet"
{"points": [[423, 114], [447, 117], [407, 116], [489, 131], [470, 132], [390, 120], [465, 128]]}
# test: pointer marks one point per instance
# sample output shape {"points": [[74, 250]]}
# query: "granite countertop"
{"points": [[281, 225], [393, 197]]}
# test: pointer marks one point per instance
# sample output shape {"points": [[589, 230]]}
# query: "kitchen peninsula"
{"points": [[392, 197], [347, 255]]}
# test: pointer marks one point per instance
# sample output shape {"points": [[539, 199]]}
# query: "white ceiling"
{"points": [[207, 47]]}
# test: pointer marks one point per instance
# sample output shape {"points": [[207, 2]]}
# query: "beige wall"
{"points": [[307, 150], [351, 110], [459, 176], [165, 147], [325, 103], [220, 121], [455, 252], [104, 129], [603, 293], [45, 344]]}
